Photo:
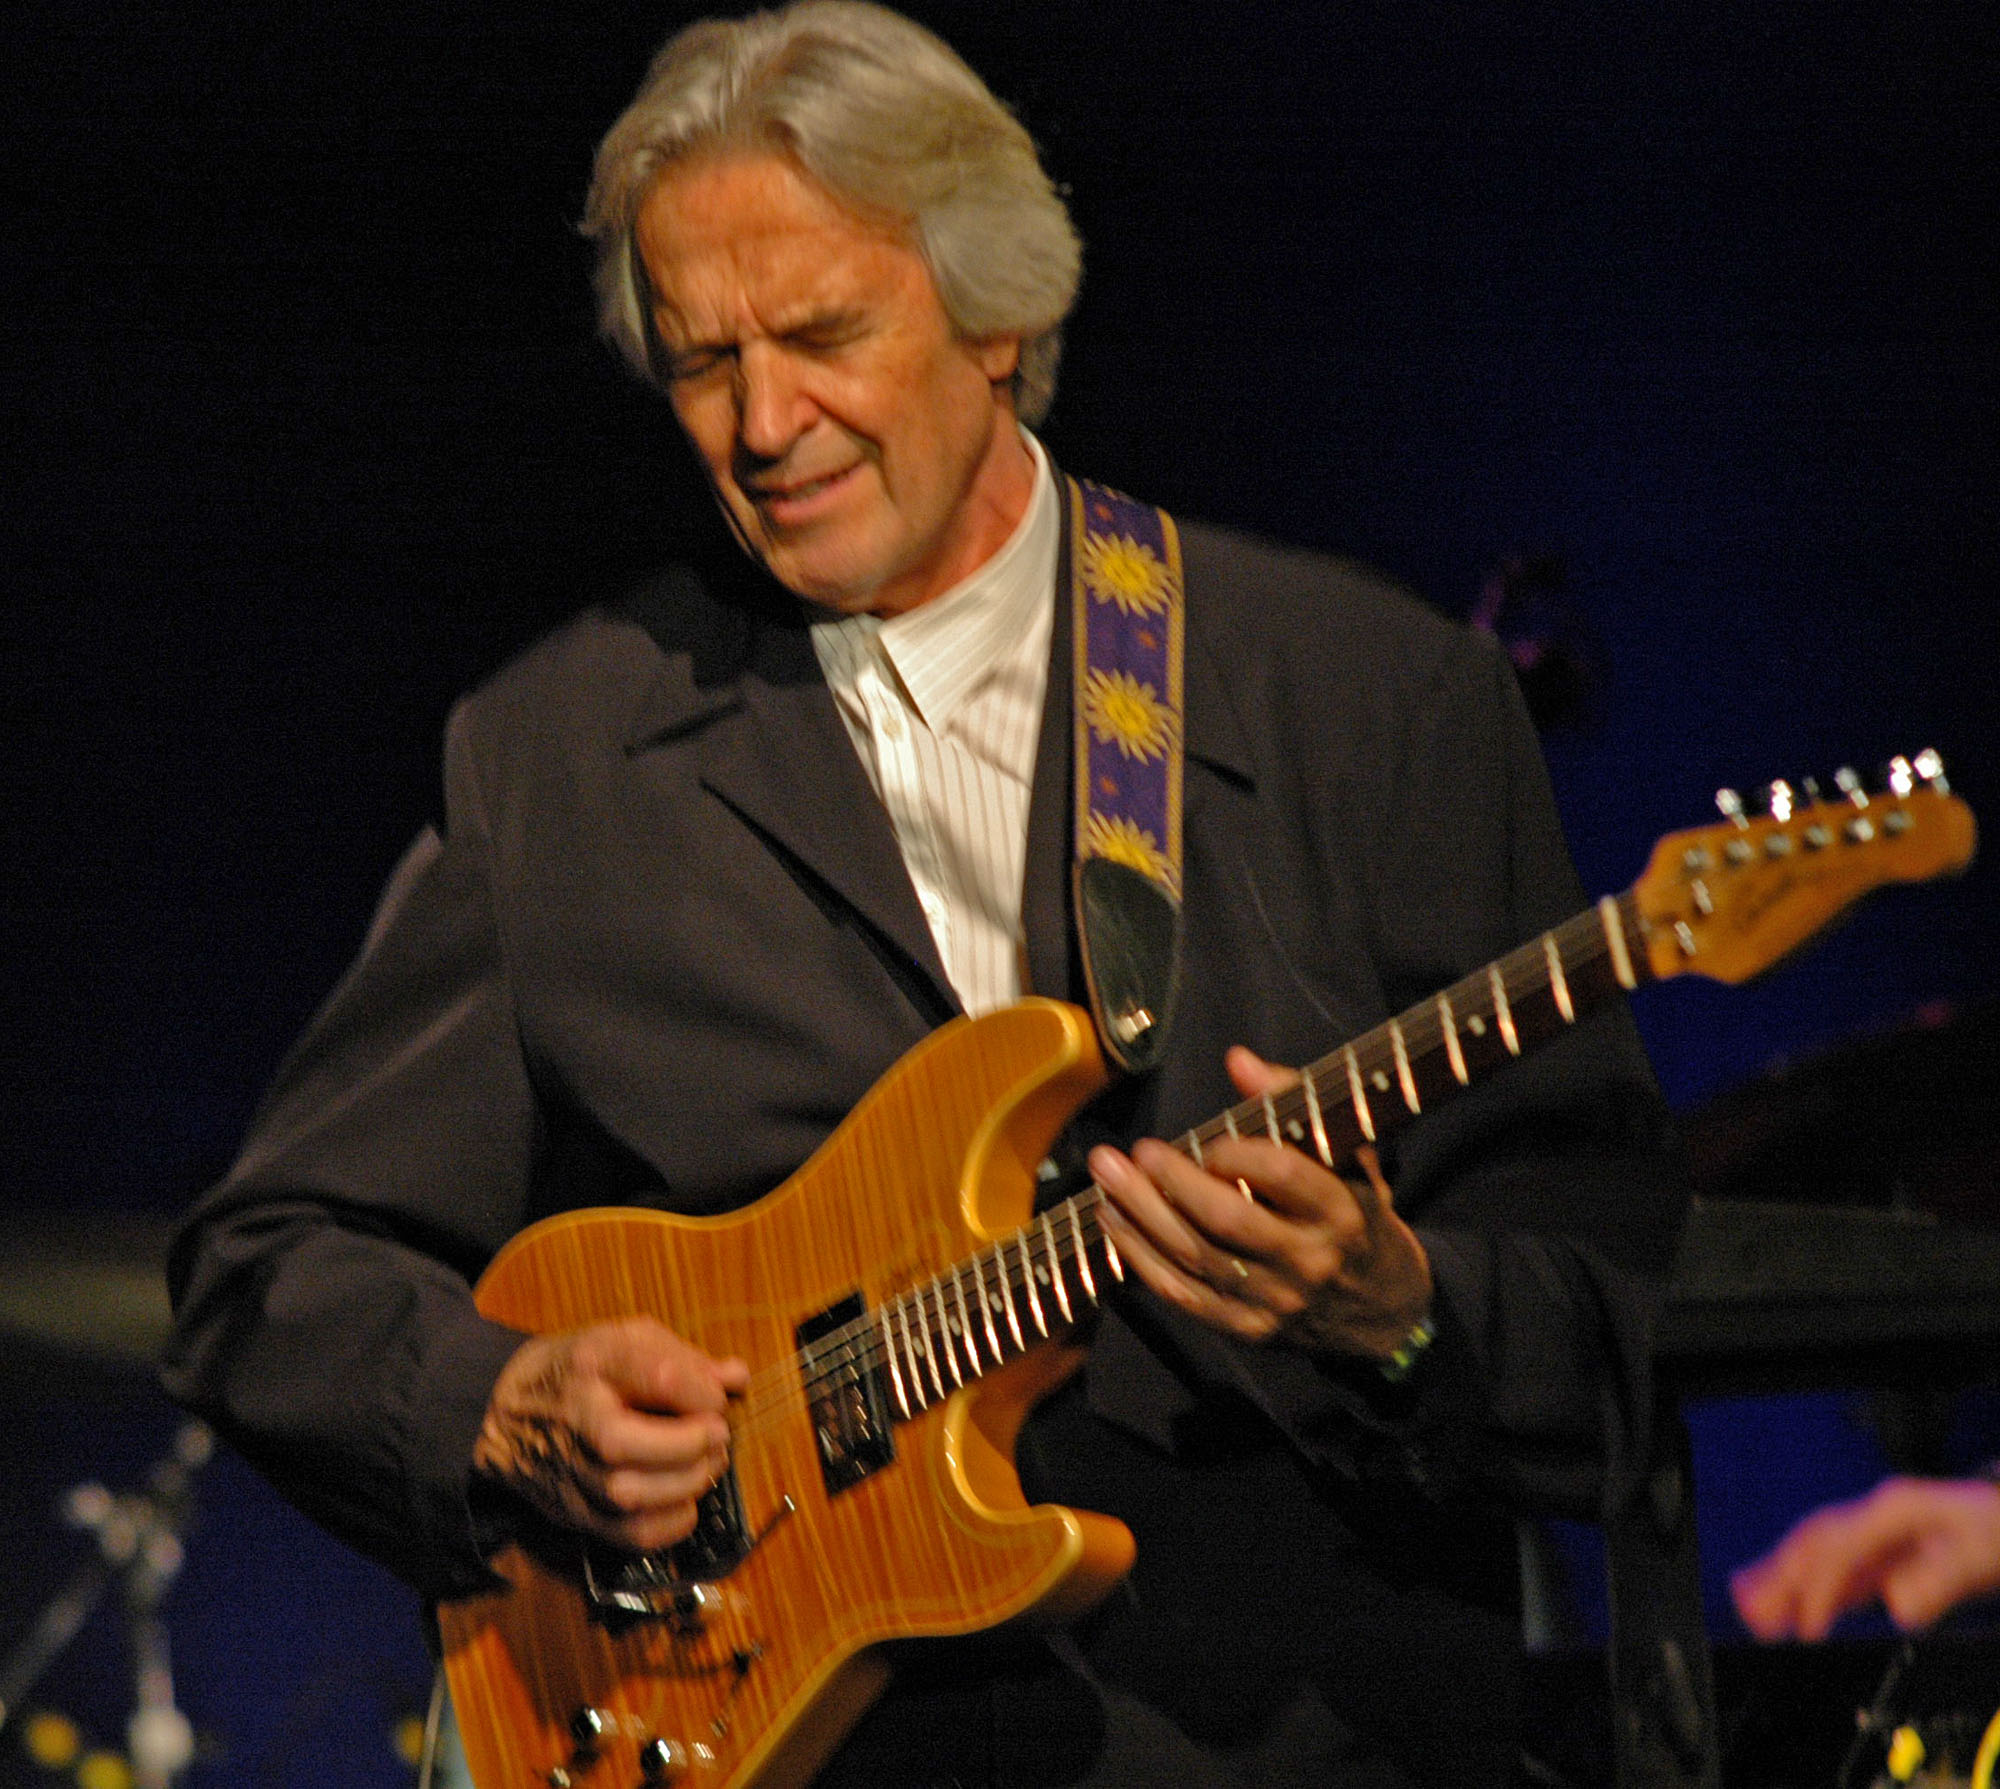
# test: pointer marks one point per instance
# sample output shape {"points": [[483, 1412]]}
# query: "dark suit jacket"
{"points": [[666, 941]]}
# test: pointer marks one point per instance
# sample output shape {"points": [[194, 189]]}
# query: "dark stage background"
{"points": [[306, 430]]}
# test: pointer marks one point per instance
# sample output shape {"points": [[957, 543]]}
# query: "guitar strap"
{"points": [[1128, 612]]}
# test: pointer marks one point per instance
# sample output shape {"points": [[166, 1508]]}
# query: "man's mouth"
{"points": [[799, 501]]}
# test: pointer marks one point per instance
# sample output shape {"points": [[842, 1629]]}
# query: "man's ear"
{"points": [[999, 357]]}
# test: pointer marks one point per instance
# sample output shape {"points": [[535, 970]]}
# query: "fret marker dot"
{"points": [[1476, 1025], [1380, 1080], [1296, 1131]]}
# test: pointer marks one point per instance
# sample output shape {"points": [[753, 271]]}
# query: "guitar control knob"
{"points": [[661, 1760], [588, 1727]]}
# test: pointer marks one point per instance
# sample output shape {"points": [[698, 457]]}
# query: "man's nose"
{"points": [[772, 409]]}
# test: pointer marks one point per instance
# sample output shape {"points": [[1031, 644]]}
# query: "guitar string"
{"points": [[856, 1347], [1410, 1038], [835, 1357], [1526, 971]]}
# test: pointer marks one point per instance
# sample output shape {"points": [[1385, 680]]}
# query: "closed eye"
{"points": [[828, 333], [824, 334], [685, 364]]}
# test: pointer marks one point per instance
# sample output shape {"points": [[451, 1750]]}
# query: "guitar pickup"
{"points": [[846, 1396]]}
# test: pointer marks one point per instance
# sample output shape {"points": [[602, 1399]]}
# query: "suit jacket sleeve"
{"points": [[325, 1322], [1550, 1203], [1549, 1199]]}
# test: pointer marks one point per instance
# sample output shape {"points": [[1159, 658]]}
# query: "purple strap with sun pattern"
{"points": [[1128, 609]]}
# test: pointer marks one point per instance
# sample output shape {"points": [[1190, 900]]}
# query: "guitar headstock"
{"points": [[1729, 900]]}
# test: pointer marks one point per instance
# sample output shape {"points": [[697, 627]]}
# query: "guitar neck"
{"points": [[992, 1307], [1377, 1082], [1723, 901]]}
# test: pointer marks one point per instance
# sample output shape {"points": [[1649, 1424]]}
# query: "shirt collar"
{"points": [[943, 649]]}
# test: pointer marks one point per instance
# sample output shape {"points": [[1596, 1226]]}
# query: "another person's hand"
{"points": [[1322, 1261], [616, 1430], [1919, 1545]]}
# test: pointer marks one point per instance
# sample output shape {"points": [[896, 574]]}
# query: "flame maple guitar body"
{"points": [[938, 1160]]}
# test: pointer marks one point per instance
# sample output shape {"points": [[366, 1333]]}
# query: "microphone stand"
{"points": [[139, 1548]]}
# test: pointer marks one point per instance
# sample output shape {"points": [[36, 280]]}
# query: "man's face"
{"points": [[865, 453]]}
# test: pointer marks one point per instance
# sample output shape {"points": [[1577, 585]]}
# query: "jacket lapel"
{"points": [[1045, 902], [787, 765], [766, 739]]}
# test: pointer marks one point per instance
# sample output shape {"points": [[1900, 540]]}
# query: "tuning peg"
{"points": [[1810, 784], [1849, 783], [1899, 777], [1777, 800], [1730, 805], [1930, 767]]}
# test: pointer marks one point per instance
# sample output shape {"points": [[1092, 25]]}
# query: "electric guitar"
{"points": [[903, 1307]]}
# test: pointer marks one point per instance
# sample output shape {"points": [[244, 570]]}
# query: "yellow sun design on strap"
{"points": [[1118, 569], [1126, 713], [1123, 841]]}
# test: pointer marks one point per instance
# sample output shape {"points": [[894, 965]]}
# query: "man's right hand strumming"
{"points": [[616, 1430]]}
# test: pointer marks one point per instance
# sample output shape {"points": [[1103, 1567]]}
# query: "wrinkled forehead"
{"points": [[755, 233]]}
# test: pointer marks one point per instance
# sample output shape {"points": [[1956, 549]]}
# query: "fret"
{"points": [[1082, 1254], [1055, 1269], [1408, 1080], [1271, 1121], [1362, 1114], [965, 1317], [1242, 1185], [944, 1331], [910, 1356], [1503, 1012], [1007, 1293], [1614, 940], [927, 1346], [1451, 1045], [1558, 982], [1193, 1142], [986, 1310], [1320, 1142], [889, 1352], [1112, 1259], [920, 1342], [1028, 1282]]}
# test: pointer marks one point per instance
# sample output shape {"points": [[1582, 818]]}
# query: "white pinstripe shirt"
{"points": [[944, 704]]}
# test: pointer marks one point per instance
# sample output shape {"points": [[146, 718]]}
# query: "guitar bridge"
{"points": [[674, 1584]]}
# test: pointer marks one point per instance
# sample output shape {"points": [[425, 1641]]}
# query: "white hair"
{"points": [[887, 118]]}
